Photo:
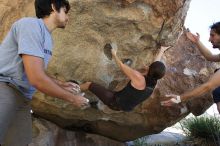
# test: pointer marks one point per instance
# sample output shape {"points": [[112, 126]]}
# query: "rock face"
{"points": [[138, 27], [48, 134], [11, 10]]}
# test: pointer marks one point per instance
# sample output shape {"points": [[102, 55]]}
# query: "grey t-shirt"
{"points": [[28, 36]]}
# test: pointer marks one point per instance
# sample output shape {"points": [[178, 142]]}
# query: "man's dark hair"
{"points": [[216, 27], [43, 8], [156, 71]]}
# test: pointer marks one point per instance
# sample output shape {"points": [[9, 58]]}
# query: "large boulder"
{"points": [[46, 133], [138, 27]]}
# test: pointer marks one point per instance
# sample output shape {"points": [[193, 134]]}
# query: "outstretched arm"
{"points": [[34, 68], [213, 82], [160, 53], [137, 79], [204, 50]]}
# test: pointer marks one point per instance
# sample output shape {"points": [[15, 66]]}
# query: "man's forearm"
{"points": [[59, 82], [204, 88], [48, 86], [204, 50]]}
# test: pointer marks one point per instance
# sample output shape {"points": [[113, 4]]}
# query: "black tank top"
{"points": [[129, 97]]}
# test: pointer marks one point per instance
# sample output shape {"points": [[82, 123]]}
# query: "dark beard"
{"points": [[215, 46]]}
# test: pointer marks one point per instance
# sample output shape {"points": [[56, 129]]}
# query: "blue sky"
{"points": [[202, 14]]}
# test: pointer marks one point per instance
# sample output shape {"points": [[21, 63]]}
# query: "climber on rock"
{"points": [[139, 88]]}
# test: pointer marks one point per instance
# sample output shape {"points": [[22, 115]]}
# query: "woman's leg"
{"points": [[105, 95]]}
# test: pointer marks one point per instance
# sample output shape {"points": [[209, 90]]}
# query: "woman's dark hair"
{"points": [[156, 71], [216, 27], [43, 8]]}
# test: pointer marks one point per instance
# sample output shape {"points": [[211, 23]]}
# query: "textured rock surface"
{"points": [[185, 70], [12, 10], [48, 134], [138, 27]]}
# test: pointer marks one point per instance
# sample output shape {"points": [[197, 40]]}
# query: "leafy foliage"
{"points": [[205, 127]]}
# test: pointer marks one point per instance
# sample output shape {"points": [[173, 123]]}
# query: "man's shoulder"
{"points": [[28, 20], [28, 24]]}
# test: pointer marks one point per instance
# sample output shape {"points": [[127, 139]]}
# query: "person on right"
{"points": [[213, 84], [216, 96]]}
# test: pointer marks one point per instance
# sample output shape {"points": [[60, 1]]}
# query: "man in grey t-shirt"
{"points": [[24, 55]]}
